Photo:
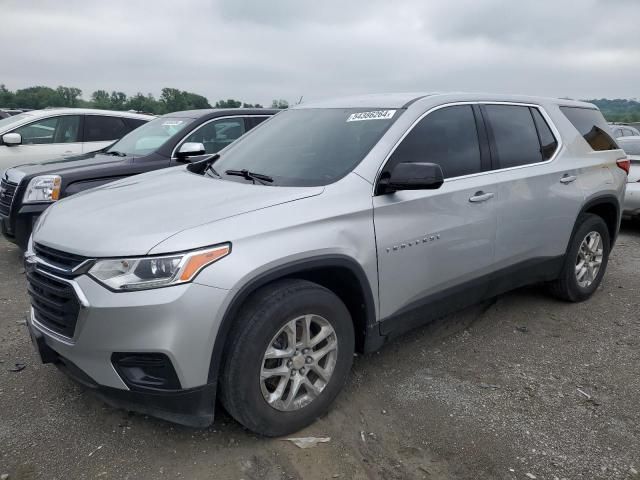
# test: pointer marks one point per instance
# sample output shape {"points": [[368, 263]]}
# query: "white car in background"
{"points": [[622, 130], [631, 146], [41, 135]]}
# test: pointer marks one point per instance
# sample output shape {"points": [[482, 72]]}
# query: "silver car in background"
{"points": [[623, 130], [631, 146], [328, 229]]}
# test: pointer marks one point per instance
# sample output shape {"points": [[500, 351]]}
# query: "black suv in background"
{"points": [[27, 190]]}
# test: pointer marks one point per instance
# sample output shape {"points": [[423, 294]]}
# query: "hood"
{"points": [[131, 216], [70, 164]]}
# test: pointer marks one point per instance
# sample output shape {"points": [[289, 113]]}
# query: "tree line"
{"points": [[619, 110], [170, 100], [173, 100]]}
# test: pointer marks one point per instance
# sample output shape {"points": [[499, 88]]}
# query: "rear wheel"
{"points": [[289, 356], [586, 260]]}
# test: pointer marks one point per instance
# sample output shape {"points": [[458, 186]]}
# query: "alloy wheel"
{"points": [[299, 362], [589, 260]]}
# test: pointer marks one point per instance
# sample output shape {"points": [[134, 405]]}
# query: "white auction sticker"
{"points": [[375, 115]]}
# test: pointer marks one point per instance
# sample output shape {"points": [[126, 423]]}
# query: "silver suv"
{"points": [[328, 229]]}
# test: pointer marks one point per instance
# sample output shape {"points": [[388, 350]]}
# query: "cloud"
{"points": [[259, 50]]}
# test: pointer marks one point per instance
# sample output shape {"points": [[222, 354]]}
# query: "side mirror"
{"points": [[11, 139], [413, 176], [191, 149]]}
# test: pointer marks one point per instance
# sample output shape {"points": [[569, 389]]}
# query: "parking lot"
{"points": [[521, 387]]}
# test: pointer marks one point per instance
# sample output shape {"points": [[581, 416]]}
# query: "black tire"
{"points": [[566, 286], [261, 318]]}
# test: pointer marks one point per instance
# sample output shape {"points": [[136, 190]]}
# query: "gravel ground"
{"points": [[519, 388]]}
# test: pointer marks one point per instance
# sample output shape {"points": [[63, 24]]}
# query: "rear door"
{"points": [[539, 197], [100, 131], [432, 243], [47, 139]]}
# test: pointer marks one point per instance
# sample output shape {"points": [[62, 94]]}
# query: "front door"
{"points": [[436, 246]]}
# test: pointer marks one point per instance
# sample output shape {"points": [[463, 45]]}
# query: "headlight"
{"points": [[153, 272], [45, 188]]}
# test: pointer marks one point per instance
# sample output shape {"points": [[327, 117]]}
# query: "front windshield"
{"points": [[307, 147], [7, 122], [150, 136]]}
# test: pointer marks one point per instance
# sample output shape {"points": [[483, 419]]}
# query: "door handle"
{"points": [[481, 197], [567, 179]]}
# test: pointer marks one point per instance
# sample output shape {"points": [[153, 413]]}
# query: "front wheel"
{"points": [[585, 262], [289, 356]]}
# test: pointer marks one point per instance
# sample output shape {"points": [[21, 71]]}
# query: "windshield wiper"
{"points": [[116, 153], [250, 175]]}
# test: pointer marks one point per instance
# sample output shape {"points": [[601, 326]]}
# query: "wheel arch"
{"points": [[341, 274], [606, 207]]}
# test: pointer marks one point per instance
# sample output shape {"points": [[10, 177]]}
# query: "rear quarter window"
{"points": [[516, 140], [592, 126]]}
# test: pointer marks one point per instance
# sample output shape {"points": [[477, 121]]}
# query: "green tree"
{"points": [[70, 95], [141, 103], [280, 104], [7, 98], [100, 99], [38, 97], [195, 101], [230, 103], [248, 105], [619, 109], [172, 100], [117, 100]]}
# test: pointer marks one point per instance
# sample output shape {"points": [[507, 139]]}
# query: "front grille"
{"points": [[54, 302], [63, 260], [7, 192]]}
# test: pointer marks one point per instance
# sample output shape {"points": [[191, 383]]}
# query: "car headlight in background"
{"points": [[45, 188], [153, 272]]}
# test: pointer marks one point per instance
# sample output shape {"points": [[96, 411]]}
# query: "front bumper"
{"points": [[632, 200], [192, 407], [17, 228], [180, 322]]}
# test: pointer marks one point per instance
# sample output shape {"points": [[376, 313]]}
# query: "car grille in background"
{"points": [[63, 260], [55, 304], [7, 191]]}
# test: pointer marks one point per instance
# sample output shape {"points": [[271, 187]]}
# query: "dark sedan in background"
{"points": [[27, 190]]}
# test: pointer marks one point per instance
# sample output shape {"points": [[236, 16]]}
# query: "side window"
{"points": [[548, 143], [63, 129], [592, 126], [514, 134], [447, 137], [617, 133], [101, 129], [627, 132], [255, 121], [218, 134], [134, 123]]}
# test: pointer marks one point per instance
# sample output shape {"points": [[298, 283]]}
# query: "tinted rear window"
{"points": [[100, 129], [592, 126], [515, 135]]}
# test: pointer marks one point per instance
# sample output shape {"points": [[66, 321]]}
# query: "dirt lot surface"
{"points": [[523, 387]]}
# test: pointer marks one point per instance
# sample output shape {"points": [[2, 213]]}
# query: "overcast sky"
{"points": [[258, 50]]}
